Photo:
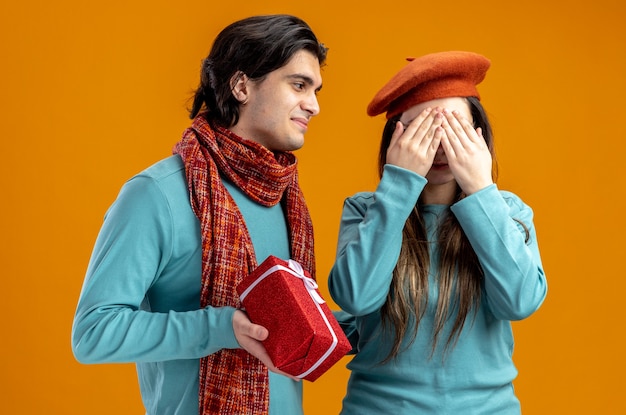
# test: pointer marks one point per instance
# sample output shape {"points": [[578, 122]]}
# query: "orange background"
{"points": [[91, 93]]}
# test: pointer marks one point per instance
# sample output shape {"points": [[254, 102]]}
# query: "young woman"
{"points": [[437, 262]]}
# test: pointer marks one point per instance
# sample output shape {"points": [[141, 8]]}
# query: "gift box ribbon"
{"points": [[311, 286]]}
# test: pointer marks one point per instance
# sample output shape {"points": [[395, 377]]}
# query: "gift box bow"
{"points": [[297, 271]]}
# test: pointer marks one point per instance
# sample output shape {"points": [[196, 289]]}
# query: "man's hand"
{"points": [[250, 337]]}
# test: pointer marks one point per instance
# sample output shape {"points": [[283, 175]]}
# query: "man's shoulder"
{"points": [[165, 177], [162, 185], [164, 169]]}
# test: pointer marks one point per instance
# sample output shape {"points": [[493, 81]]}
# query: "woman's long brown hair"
{"points": [[459, 277]]}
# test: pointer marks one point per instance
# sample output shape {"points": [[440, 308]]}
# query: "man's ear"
{"points": [[239, 87]]}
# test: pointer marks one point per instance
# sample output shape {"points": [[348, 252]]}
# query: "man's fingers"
{"points": [[250, 336], [258, 332], [244, 327]]}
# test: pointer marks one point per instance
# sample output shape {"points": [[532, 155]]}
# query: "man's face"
{"points": [[278, 108]]}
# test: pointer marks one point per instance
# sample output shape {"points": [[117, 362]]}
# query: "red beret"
{"points": [[433, 76]]}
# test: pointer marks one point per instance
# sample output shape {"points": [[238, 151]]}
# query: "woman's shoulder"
{"points": [[362, 196], [516, 204], [512, 199], [364, 199]]}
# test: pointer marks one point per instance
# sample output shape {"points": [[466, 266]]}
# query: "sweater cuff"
{"points": [[399, 184], [488, 199], [222, 322]]}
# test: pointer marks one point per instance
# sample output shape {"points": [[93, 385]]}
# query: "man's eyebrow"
{"points": [[307, 79]]}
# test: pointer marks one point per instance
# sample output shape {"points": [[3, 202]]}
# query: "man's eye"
{"points": [[299, 85]]}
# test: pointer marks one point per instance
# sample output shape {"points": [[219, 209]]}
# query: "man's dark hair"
{"points": [[254, 46]]}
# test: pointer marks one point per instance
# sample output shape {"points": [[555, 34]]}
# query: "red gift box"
{"points": [[304, 339]]}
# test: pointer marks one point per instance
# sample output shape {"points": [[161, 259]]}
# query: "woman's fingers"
{"points": [[413, 147], [467, 153]]}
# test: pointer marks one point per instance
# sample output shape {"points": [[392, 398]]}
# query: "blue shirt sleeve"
{"points": [[134, 251], [497, 225], [370, 238]]}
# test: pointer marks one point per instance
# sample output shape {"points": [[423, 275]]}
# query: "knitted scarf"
{"points": [[231, 380]]}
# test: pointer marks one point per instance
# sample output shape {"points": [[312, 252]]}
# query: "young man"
{"points": [[160, 286]]}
